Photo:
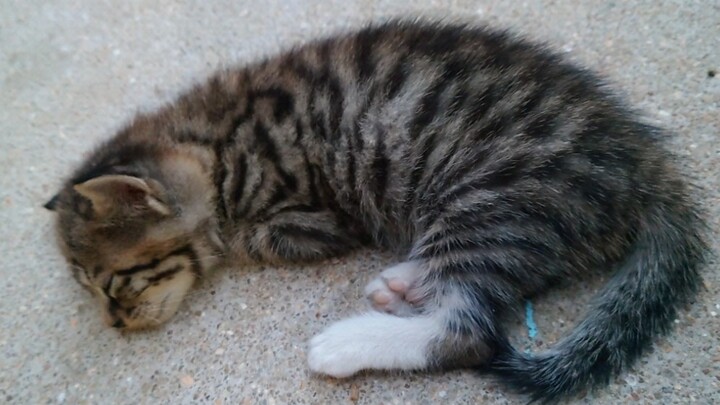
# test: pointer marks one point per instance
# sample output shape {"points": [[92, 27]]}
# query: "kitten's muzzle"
{"points": [[119, 324], [113, 317]]}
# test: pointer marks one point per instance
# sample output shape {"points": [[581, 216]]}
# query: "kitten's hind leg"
{"points": [[397, 289], [452, 331]]}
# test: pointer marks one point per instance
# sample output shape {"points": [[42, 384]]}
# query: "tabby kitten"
{"points": [[496, 167]]}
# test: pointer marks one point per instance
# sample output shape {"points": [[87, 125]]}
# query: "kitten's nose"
{"points": [[118, 324]]}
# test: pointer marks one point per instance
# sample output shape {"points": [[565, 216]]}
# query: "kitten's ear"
{"points": [[115, 192], [52, 204]]}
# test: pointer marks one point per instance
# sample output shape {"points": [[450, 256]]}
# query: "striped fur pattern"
{"points": [[497, 168]]}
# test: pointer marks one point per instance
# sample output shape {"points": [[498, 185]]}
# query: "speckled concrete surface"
{"points": [[72, 71]]}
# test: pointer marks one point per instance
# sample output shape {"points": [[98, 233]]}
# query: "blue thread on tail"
{"points": [[530, 322]]}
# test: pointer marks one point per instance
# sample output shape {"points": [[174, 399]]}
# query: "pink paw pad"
{"points": [[393, 291]]}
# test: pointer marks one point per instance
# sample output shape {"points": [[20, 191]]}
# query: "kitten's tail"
{"points": [[638, 303]]}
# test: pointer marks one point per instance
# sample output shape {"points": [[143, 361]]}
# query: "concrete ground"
{"points": [[72, 71]]}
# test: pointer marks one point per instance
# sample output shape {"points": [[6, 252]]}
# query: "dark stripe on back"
{"points": [[316, 122], [335, 101], [457, 101], [217, 102], [356, 131], [312, 185], [302, 70], [242, 211], [479, 105], [542, 126], [239, 175], [438, 41], [351, 169], [438, 169], [268, 150], [380, 169], [365, 41], [418, 169], [299, 132], [396, 80], [499, 174], [220, 170], [284, 102], [219, 175], [427, 108]]}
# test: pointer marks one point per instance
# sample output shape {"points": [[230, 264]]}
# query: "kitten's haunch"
{"points": [[496, 167]]}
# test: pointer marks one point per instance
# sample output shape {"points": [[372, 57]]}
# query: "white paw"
{"points": [[394, 290], [372, 341], [335, 353]]}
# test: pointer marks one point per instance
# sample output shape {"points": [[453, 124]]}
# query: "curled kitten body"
{"points": [[495, 166]]}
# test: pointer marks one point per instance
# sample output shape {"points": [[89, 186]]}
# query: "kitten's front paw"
{"points": [[334, 352], [395, 291], [373, 341]]}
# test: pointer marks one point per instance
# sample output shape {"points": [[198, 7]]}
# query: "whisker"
{"points": [[208, 257]]}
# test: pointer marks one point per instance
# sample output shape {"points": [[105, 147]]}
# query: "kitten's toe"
{"points": [[332, 353], [394, 291], [385, 299]]}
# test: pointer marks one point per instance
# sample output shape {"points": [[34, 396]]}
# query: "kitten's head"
{"points": [[137, 235]]}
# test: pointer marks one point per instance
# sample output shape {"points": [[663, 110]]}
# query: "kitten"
{"points": [[496, 167]]}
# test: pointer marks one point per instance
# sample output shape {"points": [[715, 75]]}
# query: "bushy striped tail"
{"points": [[639, 303]]}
